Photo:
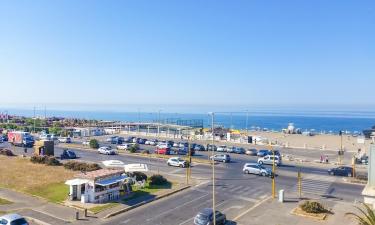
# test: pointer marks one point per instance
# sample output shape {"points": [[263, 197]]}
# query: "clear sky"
{"points": [[187, 52]]}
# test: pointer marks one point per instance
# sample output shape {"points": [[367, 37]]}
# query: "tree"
{"points": [[94, 143], [365, 217]]}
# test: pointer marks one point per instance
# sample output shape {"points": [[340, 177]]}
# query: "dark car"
{"points": [[341, 171], [262, 153], [68, 154], [185, 151], [239, 150], [141, 141], [199, 148], [128, 139], [5, 137], [206, 217], [211, 147]]}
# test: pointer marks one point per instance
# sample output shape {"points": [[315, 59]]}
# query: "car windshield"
{"points": [[20, 221], [202, 217]]}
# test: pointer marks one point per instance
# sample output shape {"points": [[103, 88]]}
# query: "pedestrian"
{"points": [[326, 158], [321, 158]]}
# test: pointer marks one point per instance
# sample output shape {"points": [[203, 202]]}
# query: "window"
{"points": [[3, 221], [20, 221]]}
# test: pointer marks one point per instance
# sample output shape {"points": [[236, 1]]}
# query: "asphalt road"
{"points": [[235, 192]]}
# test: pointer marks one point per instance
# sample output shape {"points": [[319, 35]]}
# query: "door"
{"points": [[74, 194]]}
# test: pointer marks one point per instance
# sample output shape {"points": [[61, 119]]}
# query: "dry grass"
{"points": [[22, 175]]}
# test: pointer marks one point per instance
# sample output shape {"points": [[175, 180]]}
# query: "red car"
{"points": [[162, 151]]}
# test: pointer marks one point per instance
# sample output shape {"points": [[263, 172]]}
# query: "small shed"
{"points": [[44, 147]]}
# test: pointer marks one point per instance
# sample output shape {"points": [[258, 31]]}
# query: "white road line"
{"points": [[190, 219], [126, 221], [168, 211], [250, 209]]}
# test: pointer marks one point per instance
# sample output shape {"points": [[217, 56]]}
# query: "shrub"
{"points": [[47, 160], [133, 148], [94, 143], [158, 180], [145, 152], [6, 152], [313, 207], [139, 176], [81, 166]]}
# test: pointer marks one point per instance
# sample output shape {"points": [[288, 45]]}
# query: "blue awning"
{"points": [[112, 180]]}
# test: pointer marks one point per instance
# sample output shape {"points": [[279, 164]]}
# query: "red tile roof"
{"points": [[97, 174]]}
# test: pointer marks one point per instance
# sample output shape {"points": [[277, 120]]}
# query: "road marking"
{"points": [[250, 209], [176, 170], [218, 205], [186, 203], [126, 221], [233, 207]]}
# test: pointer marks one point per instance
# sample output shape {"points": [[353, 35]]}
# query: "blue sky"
{"points": [[197, 53]]}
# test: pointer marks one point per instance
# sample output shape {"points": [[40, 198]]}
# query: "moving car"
{"points": [[176, 161], [68, 154], [341, 171], [262, 153], [255, 168], [221, 158], [13, 219], [107, 150], [64, 140], [251, 151], [206, 217], [268, 159], [222, 148]]}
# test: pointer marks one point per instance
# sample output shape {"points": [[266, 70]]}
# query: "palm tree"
{"points": [[366, 216]]}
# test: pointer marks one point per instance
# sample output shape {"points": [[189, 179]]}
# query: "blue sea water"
{"points": [[325, 121]]}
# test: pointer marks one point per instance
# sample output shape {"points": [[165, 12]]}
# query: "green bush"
{"points": [[145, 152], [94, 143], [81, 166], [313, 207], [6, 152], [139, 176], [47, 160], [158, 180], [133, 148]]}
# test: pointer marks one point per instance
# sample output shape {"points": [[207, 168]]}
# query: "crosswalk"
{"points": [[241, 192], [315, 184]]}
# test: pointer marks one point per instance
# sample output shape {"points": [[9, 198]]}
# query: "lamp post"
{"points": [[159, 122], [213, 167]]}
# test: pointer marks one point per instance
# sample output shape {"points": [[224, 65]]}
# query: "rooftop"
{"points": [[97, 174]]}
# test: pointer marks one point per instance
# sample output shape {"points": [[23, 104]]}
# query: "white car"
{"points": [[106, 150], [11, 219], [86, 143], [255, 168], [176, 144], [124, 146], [222, 148], [147, 142], [176, 161], [65, 140], [268, 159]]}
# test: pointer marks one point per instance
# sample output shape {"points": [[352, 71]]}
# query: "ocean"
{"points": [[320, 121]]}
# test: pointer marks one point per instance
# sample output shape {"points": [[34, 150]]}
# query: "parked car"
{"points": [[176, 144], [221, 158], [199, 148], [68, 154], [341, 171], [107, 150], [222, 148], [128, 139], [124, 146], [110, 139], [268, 159], [176, 161], [183, 144], [206, 217], [211, 147], [239, 150], [230, 149], [141, 141], [255, 168], [1, 139], [86, 143], [65, 140], [13, 219], [251, 151], [262, 153], [185, 151], [5, 137], [163, 151]]}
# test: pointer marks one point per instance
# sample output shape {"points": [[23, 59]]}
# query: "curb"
{"points": [[37, 221], [145, 202]]}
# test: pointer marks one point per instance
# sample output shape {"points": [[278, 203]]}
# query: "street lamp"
{"points": [[213, 167], [159, 121]]}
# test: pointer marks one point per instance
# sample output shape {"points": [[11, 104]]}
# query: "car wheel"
{"points": [[263, 174], [247, 172], [349, 174], [224, 161], [332, 173], [168, 164], [260, 162]]}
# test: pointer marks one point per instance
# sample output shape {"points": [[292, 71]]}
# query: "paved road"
{"points": [[235, 192]]}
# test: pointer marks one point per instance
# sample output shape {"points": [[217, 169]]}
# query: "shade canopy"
{"points": [[76, 182], [113, 163], [112, 180], [137, 167]]}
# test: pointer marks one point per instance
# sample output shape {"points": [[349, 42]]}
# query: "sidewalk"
{"points": [[273, 212], [41, 211]]}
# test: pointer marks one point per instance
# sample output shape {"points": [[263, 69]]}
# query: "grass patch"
{"points": [[44, 181], [100, 208], [55, 193], [147, 190], [5, 202]]}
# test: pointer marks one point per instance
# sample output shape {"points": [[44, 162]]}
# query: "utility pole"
{"points": [[159, 122], [273, 173], [299, 183], [353, 166], [34, 119], [213, 168], [247, 121]]}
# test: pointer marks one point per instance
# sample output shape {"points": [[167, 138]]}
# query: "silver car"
{"points": [[255, 168], [268, 159]]}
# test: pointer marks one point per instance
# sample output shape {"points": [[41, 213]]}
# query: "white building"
{"points": [[88, 131], [98, 186]]}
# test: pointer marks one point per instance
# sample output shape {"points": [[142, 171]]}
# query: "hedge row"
{"points": [[81, 166], [47, 160]]}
